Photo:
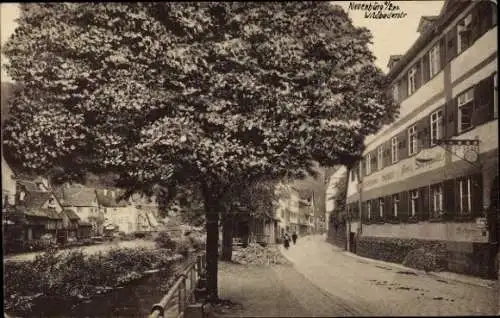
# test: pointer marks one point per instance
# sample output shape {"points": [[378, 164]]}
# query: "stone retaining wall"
{"points": [[476, 259]]}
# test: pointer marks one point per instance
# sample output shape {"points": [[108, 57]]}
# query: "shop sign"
{"points": [[426, 160]]}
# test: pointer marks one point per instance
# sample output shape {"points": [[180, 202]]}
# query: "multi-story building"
{"points": [[332, 192], [430, 176]]}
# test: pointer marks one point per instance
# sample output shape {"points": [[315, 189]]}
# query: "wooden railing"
{"points": [[182, 292]]}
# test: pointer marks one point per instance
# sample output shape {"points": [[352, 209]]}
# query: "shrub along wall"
{"points": [[468, 258]]}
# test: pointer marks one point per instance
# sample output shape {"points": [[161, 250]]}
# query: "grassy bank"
{"points": [[73, 274]]}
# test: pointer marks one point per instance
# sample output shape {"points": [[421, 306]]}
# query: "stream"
{"points": [[132, 300]]}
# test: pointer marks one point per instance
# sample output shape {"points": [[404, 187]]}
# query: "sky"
{"points": [[390, 36]]}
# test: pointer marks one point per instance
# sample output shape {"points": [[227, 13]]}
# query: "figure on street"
{"points": [[294, 237], [286, 241]]}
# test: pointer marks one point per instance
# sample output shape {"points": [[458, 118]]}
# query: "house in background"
{"points": [[119, 214], [148, 211], [39, 211], [8, 184], [332, 192], [306, 215], [82, 200]]}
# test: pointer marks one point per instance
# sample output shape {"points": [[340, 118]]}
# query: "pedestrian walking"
{"points": [[286, 241], [294, 237]]}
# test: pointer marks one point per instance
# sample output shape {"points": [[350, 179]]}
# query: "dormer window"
{"points": [[464, 33], [51, 204]]}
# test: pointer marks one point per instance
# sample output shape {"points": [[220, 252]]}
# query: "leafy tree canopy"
{"points": [[190, 92]]}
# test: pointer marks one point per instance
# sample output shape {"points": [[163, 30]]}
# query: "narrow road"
{"points": [[87, 249], [275, 291], [387, 290]]}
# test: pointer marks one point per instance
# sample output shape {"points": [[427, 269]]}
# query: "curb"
{"points": [[443, 275]]}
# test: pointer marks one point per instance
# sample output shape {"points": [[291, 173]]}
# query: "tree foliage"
{"points": [[207, 94], [199, 91]]}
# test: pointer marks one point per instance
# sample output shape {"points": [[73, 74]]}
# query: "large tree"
{"points": [[196, 95]]}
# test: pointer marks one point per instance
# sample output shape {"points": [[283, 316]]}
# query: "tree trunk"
{"points": [[227, 237], [212, 246]]}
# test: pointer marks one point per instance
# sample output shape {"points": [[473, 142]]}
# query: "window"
{"points": [[434, 60], [368, 163], [495, 96], [465, 109], [437, 199], [465, 192], [395, 92], [369, 209], [394, 149], [412, 80], [413, 202], [395, 204], [381, 207], [412, 140], [464, 33], [380, 157], [436, 126]]}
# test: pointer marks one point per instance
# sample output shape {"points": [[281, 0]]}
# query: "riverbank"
{"points": [[58, 279], [90, 249]]}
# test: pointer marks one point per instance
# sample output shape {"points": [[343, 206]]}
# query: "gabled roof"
{"points": [[77, 195], [35, 200], [71, 215], [106, 199], [42, 213], [30, 186]]}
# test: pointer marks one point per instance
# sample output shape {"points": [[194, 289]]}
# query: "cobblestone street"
{"points": [[387, 289]]}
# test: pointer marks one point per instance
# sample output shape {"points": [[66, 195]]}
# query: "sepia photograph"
{"points": [[250, 159]]}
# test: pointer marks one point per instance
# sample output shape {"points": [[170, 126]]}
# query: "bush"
{"points": [[425, 260], [72, 273], [164, 240]]}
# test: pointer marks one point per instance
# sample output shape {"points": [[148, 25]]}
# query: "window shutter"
{"points": [[426, 75], [477, 194], [387, 153], [483, 101], [403, 144], [426, 134], [450, 118], [486, 11], [404, 86], [375, 209], [451, 44], [442, 51], [388, 212], [374, 160], [475, 23], [403, 205], [424, 206], [418, 76], [449, 196], [421, 125]]}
